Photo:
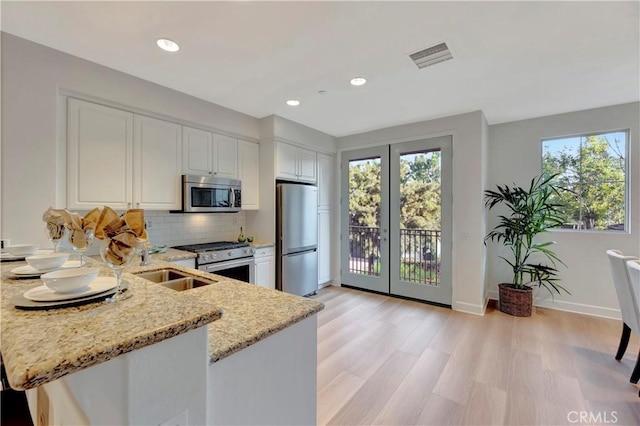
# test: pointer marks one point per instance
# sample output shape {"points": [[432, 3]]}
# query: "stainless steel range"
{"points": [[226, 258]]}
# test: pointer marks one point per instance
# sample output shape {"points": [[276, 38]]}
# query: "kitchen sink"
{"points": [[174, 279]]}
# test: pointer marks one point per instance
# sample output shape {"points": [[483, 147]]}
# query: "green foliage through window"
{"points": [[592, 171]]}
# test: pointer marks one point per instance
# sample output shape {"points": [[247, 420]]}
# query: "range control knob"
{"points": [[230, 254]]}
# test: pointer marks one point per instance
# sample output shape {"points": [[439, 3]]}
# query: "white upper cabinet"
{"points": [[249, 174], [99, 156], [157, 152], [306, 165], [196, 151], [325, 181], [286, 158], [225, 156], [207, 153], [120, 159], [294, 163]]}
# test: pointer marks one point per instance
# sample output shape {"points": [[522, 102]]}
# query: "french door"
{"points": [[396, 219]]}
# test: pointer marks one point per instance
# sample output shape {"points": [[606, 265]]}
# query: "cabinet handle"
{"points": [[128, 204], [137, 204], [209, 172]]}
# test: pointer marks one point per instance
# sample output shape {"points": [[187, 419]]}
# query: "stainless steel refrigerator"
{"points": [[296, 238]]}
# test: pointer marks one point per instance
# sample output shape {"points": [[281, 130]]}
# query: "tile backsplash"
{"points": [[175, 229]]}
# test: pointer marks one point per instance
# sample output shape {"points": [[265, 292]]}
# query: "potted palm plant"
{"points": [[531, 211]]}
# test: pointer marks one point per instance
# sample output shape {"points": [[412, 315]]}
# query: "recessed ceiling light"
{"points": [[293, 102], [168, 45], [358, 81]]}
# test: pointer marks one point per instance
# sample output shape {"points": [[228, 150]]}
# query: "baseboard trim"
{"points": [[470, 308], [578, 308]]}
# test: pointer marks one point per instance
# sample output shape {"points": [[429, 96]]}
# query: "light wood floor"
{"points": [[383, 360]]}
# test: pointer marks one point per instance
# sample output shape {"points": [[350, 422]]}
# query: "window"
{"points": [[591, 170]]}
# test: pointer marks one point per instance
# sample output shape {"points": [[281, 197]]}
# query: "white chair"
{"points": [[628, 304], [633, 270]]}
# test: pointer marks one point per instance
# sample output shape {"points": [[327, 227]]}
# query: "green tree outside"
{"points": [[592, 174]]}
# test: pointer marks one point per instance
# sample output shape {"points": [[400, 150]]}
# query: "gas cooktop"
{"points": [[219, 245]]}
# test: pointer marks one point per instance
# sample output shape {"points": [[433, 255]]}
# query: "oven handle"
{"points": [[212, 267]]}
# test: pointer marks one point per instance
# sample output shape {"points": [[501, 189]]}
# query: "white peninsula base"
{"points": [[173, 383]]}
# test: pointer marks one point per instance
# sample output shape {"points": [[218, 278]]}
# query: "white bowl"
{"points": [[47, 262], [21, 249], [69, 280]]}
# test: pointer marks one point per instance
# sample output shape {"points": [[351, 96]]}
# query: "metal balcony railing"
{"points": [[419, 253]]}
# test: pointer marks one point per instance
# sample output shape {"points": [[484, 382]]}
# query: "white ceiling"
{"points": [[513, 60]]}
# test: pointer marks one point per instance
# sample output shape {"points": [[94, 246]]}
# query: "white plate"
{"points": [[30, 271], [45, 294], [9, 256]]}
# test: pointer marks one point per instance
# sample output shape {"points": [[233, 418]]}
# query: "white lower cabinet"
{"points": [[265, 267]]}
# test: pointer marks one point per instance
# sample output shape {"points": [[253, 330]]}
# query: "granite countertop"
{"points": [[174, 254], [41, 346], [261, 244]]}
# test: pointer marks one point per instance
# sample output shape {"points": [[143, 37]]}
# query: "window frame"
{"points": [[627, 180]]}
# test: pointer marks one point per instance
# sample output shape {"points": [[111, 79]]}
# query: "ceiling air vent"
{"points": [[431, 55]]}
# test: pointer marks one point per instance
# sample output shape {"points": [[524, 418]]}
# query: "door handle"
{"points": [[232, 197]]}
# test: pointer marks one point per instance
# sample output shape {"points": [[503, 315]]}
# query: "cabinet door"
{"points": [[286, 161], [157, 164], [265, 267], [324, 246], [306, 165], [249, 174], [264, 273], [196, 151], [225, 156], [325, 181], [99, 168]]}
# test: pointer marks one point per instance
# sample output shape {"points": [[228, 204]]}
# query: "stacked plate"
{"points": [[43, 297], [6, 256], [39, 264], [28, 271]]}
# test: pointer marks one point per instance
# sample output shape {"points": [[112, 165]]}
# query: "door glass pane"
{"points": [[364, 216], [420, 217]]}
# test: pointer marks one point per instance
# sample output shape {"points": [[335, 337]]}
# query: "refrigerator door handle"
{"points": [[299, 250]]}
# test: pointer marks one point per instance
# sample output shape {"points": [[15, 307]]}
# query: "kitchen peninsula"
{"points": [[226, 353]]}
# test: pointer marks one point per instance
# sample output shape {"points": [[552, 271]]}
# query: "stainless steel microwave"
{"points": [[206, 194]]}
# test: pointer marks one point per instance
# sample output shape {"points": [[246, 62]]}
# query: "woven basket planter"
{"points": [[514, 301]]}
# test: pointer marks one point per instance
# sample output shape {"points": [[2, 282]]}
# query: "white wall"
{"points": [[515, 156], [468, 215], [290, 131], [33, 76]]}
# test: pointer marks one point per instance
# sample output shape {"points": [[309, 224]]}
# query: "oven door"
{"points": [[239, 269]]}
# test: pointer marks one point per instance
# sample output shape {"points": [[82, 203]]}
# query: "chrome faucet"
{"points": [[144, 256]]}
